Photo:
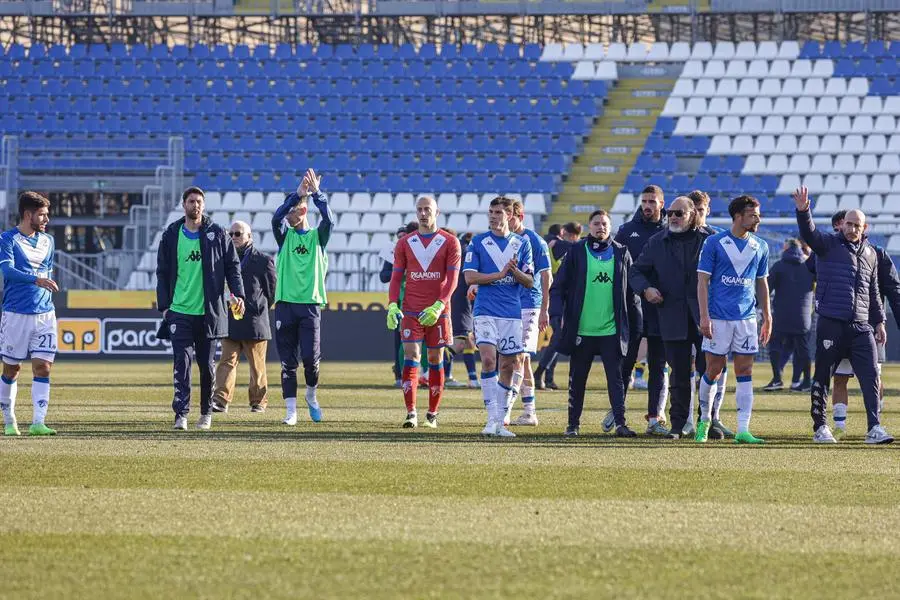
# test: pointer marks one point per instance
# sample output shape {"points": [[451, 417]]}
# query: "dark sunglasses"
{"points": [[235, 233], [676, 213]]}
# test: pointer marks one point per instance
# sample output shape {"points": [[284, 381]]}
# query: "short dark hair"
{"points": [[598, 213], [699, 197], [192, 190], [503, 201], [412, 226], [465, 238], [554, 229], [449, 230], [31, 202], [792, 242], [740, 203], [572, 228], [838, 217], [655, 190], [518, 208]]}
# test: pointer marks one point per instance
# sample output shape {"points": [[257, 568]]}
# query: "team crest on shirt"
{"points": [[578, 340], [406, 332], [172, 328], [827, 344], [211, 235], [277, 324]]}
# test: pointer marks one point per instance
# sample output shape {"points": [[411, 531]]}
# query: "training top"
{"points": [[189, 298], [23, 259], [489, 253], [531, 298], [301, 261], [429, 263], [733, 266]]}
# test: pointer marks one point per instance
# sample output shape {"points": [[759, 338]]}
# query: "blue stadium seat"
{"points": [[811, 50], [877, 49], [844, 68]]}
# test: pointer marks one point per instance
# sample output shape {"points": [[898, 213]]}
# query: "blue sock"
{"points": [[469, 360]]}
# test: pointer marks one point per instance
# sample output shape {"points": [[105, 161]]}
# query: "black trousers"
{"points": [[550, 356], [398, 363], [836, 340], [297, 338], [607, 347], [681, 365], [785, 345], [188, 334], [656, 363]]}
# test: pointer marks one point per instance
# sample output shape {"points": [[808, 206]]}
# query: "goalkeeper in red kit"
{"points": [[429, 261]]}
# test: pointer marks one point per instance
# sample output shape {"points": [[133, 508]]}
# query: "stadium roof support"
{"points": [[438, 22]]}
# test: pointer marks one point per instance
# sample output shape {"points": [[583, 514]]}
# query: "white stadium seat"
{"points": [[674, 107], [745, 51], [232, 201], [758, 69], [584, 70], [702, 51], [222, 219], [724, 51], [624, 203], [594, 52], [637, 52], [552, 53], [447, 202], [786, 144], [826, 204], [606, 71], [573, 52], [693, 69], [403, 203], [788, 50], [777, 164], [616, 52], [659, 52], [212, 201], [360, 202], [382, 202], [767, 50], [755, 165], [535, 204], [254, 201], [276, 199], [680, 52]]}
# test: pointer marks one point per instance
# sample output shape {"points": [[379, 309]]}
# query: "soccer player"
{"points": [[717, 430], [428, 260], [194, 261], [535, 313], [28, 324], [731, 281], [499, 263], [300, 291]]}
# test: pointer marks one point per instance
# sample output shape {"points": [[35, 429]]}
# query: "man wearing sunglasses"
{"points": [[665, 275], [251, 333]]}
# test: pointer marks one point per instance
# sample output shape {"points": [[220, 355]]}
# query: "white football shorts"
{"points": [[739, 337], [505, 334], [530, 331], [21, 335]]}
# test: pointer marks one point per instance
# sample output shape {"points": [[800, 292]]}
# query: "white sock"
{"points": [[514, 385], [291, 404], [311, 397], [840, 416], [40, 398], [707, 389], [504, 399], [721, 382], [691, 417], [489, 391], [743, 397], [8, 399], [528, 399], [664, 397]]}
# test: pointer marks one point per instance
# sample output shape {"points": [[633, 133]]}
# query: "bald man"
{"points": [[851, 314], [249, 335]]}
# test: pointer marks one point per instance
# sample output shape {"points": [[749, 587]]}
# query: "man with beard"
{"points": [[28, 324], [634, 235], [194, 261], [665, 275], [732, 279]]}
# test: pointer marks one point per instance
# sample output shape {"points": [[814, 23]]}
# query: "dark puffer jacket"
{"points": [[847, 274], [634, 235]]}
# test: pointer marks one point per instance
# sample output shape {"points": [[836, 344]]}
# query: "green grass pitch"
{"points": [[118, 505]]}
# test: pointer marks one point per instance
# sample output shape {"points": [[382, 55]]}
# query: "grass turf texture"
{"points": [[119, 505]]}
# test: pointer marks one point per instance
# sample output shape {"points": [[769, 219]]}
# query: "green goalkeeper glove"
{"points": [[393, 316], [429, 316]]}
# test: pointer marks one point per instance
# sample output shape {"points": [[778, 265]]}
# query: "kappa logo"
{"points": [[827, 344], [635, 234], [601, 278], [578, 340], [727, 242], [407, 386], [301, 250], [193, 256], [172, 328]]}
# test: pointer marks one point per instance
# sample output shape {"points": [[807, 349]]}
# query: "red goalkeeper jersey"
{"points": [[430, 265]]}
